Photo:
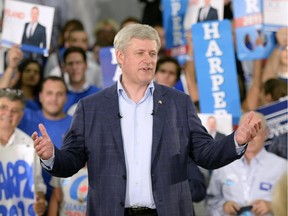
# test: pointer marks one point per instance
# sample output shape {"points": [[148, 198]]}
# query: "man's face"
{"points": [[31, 75], [166, 74], [138, 61], [207, 2], [11, 113], [34, 15], [76, 67], [53, 97], [78, 39]]}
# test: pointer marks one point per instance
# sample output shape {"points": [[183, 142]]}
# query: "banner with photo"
{"points": [[216, 68], [75, 190], [28, 25], [223, 122], [276, 115], [17, 180], [275, 14], [251, 40], [173, 13], [110, 69], [195, 12]]}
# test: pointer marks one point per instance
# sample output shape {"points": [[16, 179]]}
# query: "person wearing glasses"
{"points": [[13, 140]]}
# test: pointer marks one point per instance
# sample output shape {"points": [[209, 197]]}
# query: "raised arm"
{"points": [[10, 76]]}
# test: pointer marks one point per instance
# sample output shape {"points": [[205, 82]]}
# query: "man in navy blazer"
{"points": [[207, 12], [34, 33], [136, 137]]}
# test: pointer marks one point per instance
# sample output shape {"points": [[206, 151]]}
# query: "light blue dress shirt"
{"points": [[137, 127]]}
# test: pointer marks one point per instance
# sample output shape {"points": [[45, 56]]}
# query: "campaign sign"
{"points": [[251, 40], [109, 66], [29, 25], [276, 115], [275, 14], [215, 68], [195, 7], [16, 180], [75, 190], [224, 122], [175, 36]]}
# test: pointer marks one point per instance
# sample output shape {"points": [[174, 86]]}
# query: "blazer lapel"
{"points": [[159, 103], [112, 106]]}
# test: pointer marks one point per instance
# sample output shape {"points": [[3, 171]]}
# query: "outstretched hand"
{"points": [[247, 129], [43, 144]]}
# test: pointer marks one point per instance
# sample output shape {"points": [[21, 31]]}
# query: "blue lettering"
{"points": [[21, 207], [13, 211], [3, 185], [3, 210], [31, 210], [15, 176]]}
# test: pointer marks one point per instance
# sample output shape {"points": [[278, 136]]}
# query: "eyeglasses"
{"points": [[13, 94], [10, 91], [5, 108]]}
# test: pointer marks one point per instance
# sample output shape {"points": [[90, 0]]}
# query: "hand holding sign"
{"points": [[43, 144], [248, 128]]}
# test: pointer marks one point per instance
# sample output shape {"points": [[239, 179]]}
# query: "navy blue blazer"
{"points": [[95, 137], [38, 38], [212, 14]]}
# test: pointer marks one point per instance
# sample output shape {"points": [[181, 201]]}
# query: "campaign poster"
{"points": [[175, 34], [28, 25], [75, 190], [196, 11], [276, 115], [17, 180], [224, 122], [216, 69], [111, 71], [252, 41], [275, 14]]}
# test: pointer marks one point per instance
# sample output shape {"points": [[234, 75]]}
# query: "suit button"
{"points": [[124, 177], [122, 204]]}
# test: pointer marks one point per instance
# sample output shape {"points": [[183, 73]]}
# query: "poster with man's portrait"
{"points": [[29, 25], [203, 10], [224, 123]]}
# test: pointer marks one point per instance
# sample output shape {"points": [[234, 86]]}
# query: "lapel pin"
{"points": [[160, 102]]}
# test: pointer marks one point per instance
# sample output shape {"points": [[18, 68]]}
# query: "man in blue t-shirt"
{"points": [[75, 65], [52, 96]]}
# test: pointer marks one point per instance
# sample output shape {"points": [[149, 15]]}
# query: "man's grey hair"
{"points": [[139, 31], [13, 95]]}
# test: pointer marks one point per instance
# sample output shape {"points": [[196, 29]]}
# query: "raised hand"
{"points": [[248, 128], [43, 144]]}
